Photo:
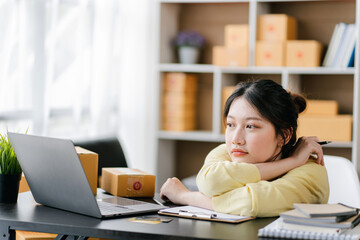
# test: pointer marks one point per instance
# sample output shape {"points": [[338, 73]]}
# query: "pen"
{"points": [[324, 142]]}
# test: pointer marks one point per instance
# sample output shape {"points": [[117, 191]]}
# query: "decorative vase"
{"points": [[9, 187], [189, 55]]}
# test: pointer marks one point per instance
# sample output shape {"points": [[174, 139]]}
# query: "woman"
{"points": [[262, 169]]}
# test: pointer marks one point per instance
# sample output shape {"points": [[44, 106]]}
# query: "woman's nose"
{"points": [[238, 137]]}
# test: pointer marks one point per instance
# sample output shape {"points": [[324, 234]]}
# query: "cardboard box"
{"points": [[89, 161], [179, 99], [270, 53], [321, 107], [276, 27], [179, 124], [237, 35], [177, 81], [230, 56], [226, 92], [332, 128], [303, 53], [179, 113], [27, 235], [24, 186], [127, 182]]}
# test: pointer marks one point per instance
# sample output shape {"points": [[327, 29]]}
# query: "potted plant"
{"points": [[189, 44], [10, 172]]}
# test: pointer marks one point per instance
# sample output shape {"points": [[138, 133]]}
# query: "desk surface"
{"points": [[27, 215]]}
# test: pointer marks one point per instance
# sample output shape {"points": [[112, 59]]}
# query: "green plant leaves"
{"points": [[9, 163]]}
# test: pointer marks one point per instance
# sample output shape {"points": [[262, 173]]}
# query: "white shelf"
{"points": [[209, 18], [208, 68], [201, 136]]}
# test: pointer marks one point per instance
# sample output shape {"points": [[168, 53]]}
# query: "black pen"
{"points": [[324, 142]]}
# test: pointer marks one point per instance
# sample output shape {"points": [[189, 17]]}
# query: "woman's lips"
{"points": [[238, 152]]}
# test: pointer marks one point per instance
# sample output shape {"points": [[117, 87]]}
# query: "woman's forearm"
{"points": [[198, 199], [271, 170]]}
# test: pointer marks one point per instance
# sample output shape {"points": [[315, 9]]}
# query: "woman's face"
{"points": [[250, 138]]}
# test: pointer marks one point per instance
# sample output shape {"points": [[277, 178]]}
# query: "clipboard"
{"points": [[192, 212]]}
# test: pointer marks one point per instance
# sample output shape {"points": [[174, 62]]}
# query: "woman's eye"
{"points": [[229, 124], [250, 126]]}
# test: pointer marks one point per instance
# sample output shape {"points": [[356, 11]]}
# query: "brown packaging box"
{"points": [[303, 53], [226, 92], [321, 107], [127, 182], [230, 56], [332, 128], [89, 161], [236, 35], [270, 53], [276, 27], [177, 81]]}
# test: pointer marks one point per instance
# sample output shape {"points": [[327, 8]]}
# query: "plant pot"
{"points": [[189, 55], [9, 187]]}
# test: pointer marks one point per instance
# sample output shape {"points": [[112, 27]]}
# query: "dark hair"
{"points": [[274, 103]]}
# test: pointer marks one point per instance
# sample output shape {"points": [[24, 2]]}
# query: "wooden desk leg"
{"points": [[6, 233], [68, 237]]}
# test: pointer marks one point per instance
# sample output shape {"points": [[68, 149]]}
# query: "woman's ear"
{"points": [[287, 135]]}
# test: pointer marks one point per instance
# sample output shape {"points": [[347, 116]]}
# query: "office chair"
{"points": [[343, 181]]}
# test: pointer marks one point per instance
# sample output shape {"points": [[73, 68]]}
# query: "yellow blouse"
{"points": [[237, 188]]}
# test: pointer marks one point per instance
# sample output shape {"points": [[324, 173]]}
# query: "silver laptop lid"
{"points": [[54, 173]]}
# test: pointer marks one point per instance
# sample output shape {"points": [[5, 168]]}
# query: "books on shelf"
{"points": [[315, 221], [341, 46]]}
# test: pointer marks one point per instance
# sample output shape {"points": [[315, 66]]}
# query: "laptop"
{"points": [[57, 179]]}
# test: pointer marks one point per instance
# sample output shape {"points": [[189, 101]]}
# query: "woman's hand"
{"points": [[174, 190], [306, 147]]}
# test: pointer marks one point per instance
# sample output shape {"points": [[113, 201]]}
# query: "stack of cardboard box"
{"points": [[321, 119], [236, 49], [277, 44], [179, 102]]}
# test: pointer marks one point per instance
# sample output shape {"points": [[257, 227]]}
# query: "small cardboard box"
{"points": [[303, 53], [237, 35], [230, 56], [178, 100], [276, 27], [89, 161], [27, 235], [177, 81], [179, 124], [226, 92], [24, 186], [127, 182], [270, 53], [321, 107], [332, 128], [178, 113]]}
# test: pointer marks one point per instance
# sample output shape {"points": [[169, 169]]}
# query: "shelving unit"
{"points": [[182, 153]]}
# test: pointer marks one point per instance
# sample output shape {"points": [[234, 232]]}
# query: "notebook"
{"points": [[325, 210], [56, 179], [274, 230]]}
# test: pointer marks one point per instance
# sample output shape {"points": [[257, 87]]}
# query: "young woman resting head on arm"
{"points": [[262, 169]]}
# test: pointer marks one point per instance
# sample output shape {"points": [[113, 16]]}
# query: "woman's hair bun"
{"points": [[299, 101]]}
